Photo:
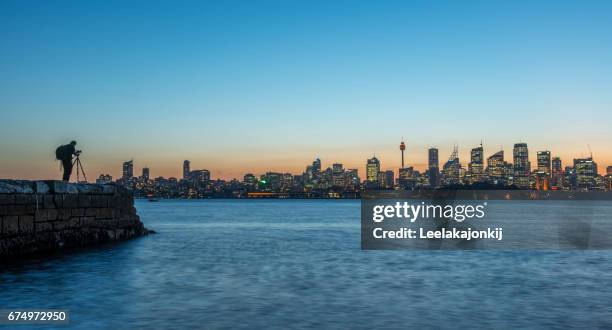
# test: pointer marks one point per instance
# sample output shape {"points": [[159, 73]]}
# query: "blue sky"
{"points": [[255, 85]]}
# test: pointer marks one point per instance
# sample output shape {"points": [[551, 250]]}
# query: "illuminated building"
{"points": [[250, 181], [338, 175], [556, 173], [199, 176], [389, 179], [522, 166], [476, 165], [272, 181], [352, 178], [496, 168], [372, 170], [569, 178], [186, 169], [145, 173], [287, 181], [316, 166], [405, 178], [586, 171], [540, 178], [433, 167], [128, 170], [451, 171], [544, 162]]}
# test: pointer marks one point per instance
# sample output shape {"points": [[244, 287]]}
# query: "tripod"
{"points": [[79, 168]]}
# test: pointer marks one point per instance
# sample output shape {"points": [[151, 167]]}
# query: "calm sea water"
{"points": [[298, 264]]}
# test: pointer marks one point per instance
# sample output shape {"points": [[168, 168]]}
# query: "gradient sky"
{"points": [[251, 86]]}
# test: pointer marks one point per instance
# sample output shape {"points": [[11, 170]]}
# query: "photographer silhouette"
{"points": [[64, 154]]}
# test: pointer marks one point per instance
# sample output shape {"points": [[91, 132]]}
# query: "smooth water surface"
{"points": [[298, 264]]}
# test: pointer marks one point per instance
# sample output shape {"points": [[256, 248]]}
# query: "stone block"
{"points": [[59, 225], [31, 208], [89, 222], [70, 201], [85, 200], [49, 201], [40, 216], [61, 187], [109, 189], [59, 200], [100, 201], [25, 199], [74, 222], [15, 210], [105, 213], [16, 187], [52, 214], [41, 187], [7, 199], [10, 225], [78, 212], [44, 226], [65, 224], [84, 188], [26, 224], [64, 214], [90, 212], [113, 201]]}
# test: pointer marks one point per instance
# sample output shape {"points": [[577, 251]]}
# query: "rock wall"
{"points": [[39, 217]]}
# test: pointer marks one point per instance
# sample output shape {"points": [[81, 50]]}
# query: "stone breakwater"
{"points": [[38, 217]]}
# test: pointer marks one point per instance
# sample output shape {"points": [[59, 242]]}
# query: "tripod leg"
{"points": [[82, 170]]}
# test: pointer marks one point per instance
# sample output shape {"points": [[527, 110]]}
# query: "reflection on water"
{"points": [[297, 263]]}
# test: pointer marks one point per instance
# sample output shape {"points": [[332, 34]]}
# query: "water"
{"points": [[297, 264]]}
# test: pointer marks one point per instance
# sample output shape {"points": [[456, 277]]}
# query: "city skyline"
{"points": [[481, 157], [391, 160], [319, 180], [269, 85]]}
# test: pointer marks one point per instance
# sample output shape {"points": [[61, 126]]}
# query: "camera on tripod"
{"points": [[79, 167]]}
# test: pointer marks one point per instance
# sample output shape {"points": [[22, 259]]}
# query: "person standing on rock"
{"points": [[64, 154]]}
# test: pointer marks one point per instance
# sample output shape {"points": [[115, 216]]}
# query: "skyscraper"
{"points": [[186, 169], [199, 175], [451, 171], [496, 168], [586, 171], [556, 173], [128, 170], [476, 165], [544, 162], [522, 166], [389, 179], [405, 178], [433, 166], [433, 158], [372, 169], [145, 173], [541, 177], [316, 166], [338, 175]]}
